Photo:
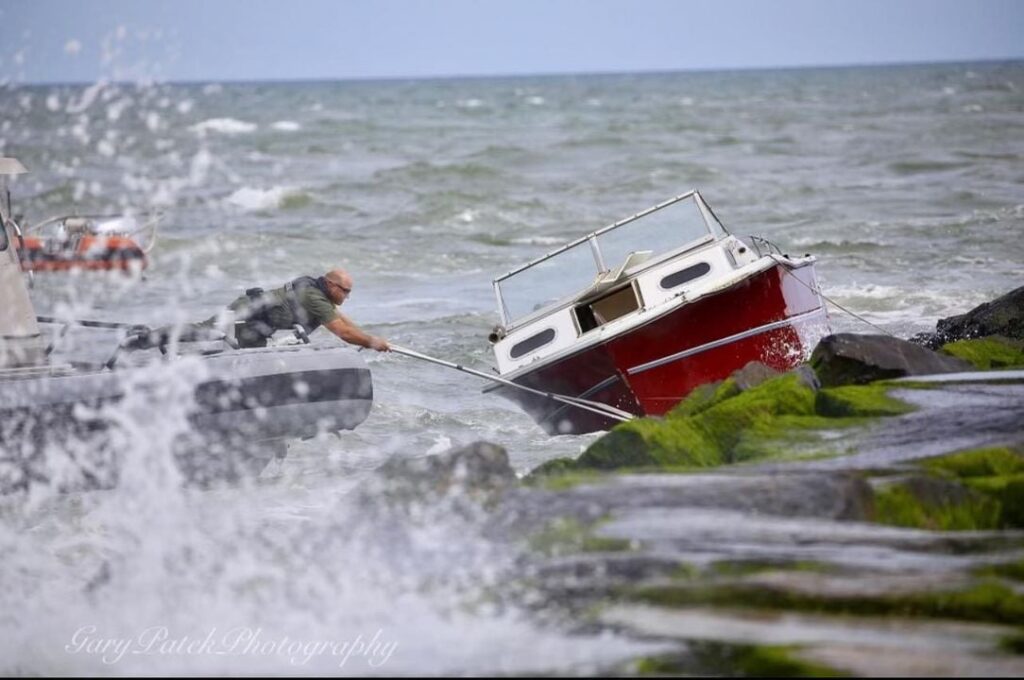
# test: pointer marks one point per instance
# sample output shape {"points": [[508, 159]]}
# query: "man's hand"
{"points": [[351, 333]]}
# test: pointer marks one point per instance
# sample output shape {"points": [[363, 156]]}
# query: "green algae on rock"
{"points": [[704, 397], [993, 352], [706, 439], [1010, 570], [722, 424], [979, 463], [859, 401], [560, 474], [971, 490], [988, 600], [567, 535], [551, 468], [923, 502], [704, 658], [1014, 644], [732, 568]]}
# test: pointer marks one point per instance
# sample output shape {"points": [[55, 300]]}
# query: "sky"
{"points": [[224, 40]]}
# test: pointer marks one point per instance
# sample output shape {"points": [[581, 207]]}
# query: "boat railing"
{"points": [[763, 246], [121, 224], [660, 231]]}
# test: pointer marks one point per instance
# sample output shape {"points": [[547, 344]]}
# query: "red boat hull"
{"points": [[770, 317]]}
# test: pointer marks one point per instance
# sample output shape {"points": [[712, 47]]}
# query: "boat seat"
{"points": [[609, 279]]}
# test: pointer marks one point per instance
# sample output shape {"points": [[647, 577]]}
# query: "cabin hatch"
{"points": [[609, 307]]}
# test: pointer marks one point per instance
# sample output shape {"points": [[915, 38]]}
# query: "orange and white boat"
{"points": [[89, 242]]}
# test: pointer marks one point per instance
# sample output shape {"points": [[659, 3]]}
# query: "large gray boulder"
{"points": [[1002, 316], [850, 358]]}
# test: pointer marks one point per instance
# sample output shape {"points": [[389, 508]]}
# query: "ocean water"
{"points": [[906, 183]]}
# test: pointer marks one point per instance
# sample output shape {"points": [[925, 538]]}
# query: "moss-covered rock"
{"points": [[770, 661], [729, 422], [923, 502], [708, 437], [1010, 570], [734, 568], [567, 535], [562, 479], [1009, 493], [979, 463], [1014, 644], [970, 490], [987, 600], [721, 425], [994, 352], [705, 658], [858, 401], [555, 466], [704, 397]]}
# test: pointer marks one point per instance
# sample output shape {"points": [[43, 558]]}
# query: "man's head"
{"points": [[339, 285]]}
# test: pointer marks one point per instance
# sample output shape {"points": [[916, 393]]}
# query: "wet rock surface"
{"points": [[949, 418], [1003, 316], [850, 358], [461, 481], [786, 567], [798, 524], [480, 466]]}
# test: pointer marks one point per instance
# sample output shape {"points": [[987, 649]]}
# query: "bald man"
{"points": [[306, 301]]}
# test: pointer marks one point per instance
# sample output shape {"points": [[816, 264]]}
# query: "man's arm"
{"points": [[351, 333]]}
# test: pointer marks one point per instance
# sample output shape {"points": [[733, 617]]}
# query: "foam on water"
{"points": [[227, 126], [252, 199], [150, 577]]}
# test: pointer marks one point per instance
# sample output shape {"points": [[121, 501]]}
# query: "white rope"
{"points": [[788, 269]]}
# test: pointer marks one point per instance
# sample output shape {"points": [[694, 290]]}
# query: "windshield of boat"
{"points": [[672, 226]]}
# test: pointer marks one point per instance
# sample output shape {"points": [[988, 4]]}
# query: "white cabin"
{"points": [[614, 279]]}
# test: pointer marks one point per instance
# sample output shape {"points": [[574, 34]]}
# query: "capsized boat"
{"points": [[638, 314], [240, 406], [89, 243]]}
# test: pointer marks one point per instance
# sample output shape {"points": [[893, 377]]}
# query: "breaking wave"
{"points": [[224, 126], [251, 199]]}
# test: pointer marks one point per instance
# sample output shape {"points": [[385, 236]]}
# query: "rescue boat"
{"points": [[89, 242], [638, 314]]}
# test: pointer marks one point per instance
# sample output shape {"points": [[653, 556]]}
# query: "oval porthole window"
{"points": [[685, 275], [532, 343]]}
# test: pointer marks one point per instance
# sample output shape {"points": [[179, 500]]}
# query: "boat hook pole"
{"points": [[593, 406]]}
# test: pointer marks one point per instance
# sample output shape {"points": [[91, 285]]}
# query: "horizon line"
{"points": [[501, 76]]}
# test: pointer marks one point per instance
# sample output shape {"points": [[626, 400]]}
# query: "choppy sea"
{"points": [[905, 181]]}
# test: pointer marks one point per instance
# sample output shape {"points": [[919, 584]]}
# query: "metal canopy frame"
{"points": [[707, 214]]}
